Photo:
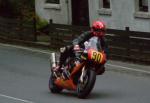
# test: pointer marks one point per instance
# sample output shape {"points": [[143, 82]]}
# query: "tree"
{"points": [[21, 9], [6, 8]]}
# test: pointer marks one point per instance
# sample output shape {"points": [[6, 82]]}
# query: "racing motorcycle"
{"points": [[79, 75]]}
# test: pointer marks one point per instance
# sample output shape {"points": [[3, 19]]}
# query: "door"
{"points": [[80, 12]]}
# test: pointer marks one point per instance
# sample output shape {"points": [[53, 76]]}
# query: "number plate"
{"points": [[96, 56]]}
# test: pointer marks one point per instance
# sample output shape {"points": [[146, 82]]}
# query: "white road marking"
{"points": [[132, 69], [40, 51], [25, 48], [16, 99]]}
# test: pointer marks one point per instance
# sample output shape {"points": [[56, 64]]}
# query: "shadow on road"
{"points": [[104, 95], [93, 95]]}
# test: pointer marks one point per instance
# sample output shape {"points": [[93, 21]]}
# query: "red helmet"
{"points": [[98, 29]]}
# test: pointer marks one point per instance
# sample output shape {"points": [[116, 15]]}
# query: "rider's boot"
{"points": [[57, 70]]}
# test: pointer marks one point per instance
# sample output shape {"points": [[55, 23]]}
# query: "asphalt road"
{"points": [[24, 75]]}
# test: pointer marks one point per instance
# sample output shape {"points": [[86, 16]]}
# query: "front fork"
{"points": [[53, 63], [53, 60], [83, 73]]}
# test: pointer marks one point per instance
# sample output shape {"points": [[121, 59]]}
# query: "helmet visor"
{"points": [[98, 30]]}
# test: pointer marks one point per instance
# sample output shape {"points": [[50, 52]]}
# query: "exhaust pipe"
{"points": [[53, 59]]}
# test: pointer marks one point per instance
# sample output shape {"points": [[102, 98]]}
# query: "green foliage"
{"points": [[40, 22], [21, 9]]}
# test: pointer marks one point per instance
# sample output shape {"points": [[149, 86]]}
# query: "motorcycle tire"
{"points": [[52, 87], [89, 85]]}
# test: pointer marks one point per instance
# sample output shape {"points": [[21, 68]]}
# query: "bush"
{"points": [[40, 23], [21, 9]]}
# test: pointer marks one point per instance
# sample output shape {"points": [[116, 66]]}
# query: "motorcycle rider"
{"points": [[98, 29]]}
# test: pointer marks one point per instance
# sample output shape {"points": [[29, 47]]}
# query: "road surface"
{"points": [[24, 75]]}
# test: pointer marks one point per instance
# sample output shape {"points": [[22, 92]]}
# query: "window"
{"points": [[52, 4], [53, 1], [141, 9], [106, 4], [143, 5], [104, 7]]}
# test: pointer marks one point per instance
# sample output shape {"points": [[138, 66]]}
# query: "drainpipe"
{"points": [[67, 3]]}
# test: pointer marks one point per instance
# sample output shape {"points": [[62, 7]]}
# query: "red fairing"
{"points": [[104, 58], [97, 57], [90, 51]]}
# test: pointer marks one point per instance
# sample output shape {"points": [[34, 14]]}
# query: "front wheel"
{"points": [[52, 87], [85, 87]]}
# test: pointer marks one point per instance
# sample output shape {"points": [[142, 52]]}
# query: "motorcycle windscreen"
{"points": [[93, 43]]}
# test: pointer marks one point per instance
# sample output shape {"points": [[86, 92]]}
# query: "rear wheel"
{"points": [[85, 87], [52, 87]]}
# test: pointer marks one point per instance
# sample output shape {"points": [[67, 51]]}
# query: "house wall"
{"points": [[59, 13], [121, 15]]}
